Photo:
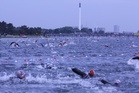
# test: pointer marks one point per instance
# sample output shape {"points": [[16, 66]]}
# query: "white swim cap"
{"points": [[117, 82]]}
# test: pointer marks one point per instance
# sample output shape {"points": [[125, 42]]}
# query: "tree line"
{"points": [[10, 29]]}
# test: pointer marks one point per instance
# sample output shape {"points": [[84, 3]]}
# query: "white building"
{"points": [[116, 29], [99, 29]]}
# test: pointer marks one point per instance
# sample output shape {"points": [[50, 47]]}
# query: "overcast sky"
{"points": [[59, 13]]}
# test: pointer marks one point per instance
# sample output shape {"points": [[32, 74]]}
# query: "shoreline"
{"points": [[64, 35]]}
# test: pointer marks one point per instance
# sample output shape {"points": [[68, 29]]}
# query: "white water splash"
{"points": [[6, 77], [134, 63]]}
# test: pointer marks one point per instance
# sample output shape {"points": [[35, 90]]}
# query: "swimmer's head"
{"points": [[91, 73], [117, 82], [20, 74]]}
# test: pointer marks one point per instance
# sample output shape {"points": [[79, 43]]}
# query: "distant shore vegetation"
{"points": [[10, 29]]}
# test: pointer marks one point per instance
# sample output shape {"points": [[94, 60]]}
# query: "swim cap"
{"points": [[20, 74], [91, 73], [117, 82], [136, 52]]}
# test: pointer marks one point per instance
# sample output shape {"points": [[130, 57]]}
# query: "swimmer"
{"points": [[46, 66], [82, 74], [14, 44], [116, 82], [61, 43], [20, 74]]}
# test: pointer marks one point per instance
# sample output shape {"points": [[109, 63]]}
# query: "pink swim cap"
{"points": [[92, 72], [20, 74]]}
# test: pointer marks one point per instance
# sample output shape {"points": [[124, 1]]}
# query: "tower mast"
{"points": [[80, 16]]}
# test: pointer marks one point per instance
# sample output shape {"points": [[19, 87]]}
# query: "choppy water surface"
{"points": [[110, 57]]}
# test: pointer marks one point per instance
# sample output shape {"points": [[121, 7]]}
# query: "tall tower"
{"points": [[116, 29], [80, 16]]}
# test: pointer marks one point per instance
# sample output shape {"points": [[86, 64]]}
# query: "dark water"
{"points": [[110, 57]]}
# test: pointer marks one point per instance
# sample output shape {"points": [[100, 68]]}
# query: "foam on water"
{"points": [[135, 63], [60, 80], [5, 76], [38, 78]]}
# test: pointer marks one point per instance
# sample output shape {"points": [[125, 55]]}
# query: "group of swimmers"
{"points": [[21, 75], [15, 44]]}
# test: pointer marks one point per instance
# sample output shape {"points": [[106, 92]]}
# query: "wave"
{"points": [[135, 63]]}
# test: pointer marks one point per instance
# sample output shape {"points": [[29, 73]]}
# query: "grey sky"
{"points": [[59, 13]]}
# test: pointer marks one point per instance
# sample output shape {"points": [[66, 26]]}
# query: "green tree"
{"points": [[10, 28], [23, 30], [3, 28]]}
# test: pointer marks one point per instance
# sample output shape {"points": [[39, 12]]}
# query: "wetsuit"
{"points": [[137, 57], [79, 72], [113, 84]]}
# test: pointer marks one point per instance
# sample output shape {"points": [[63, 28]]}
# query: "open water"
{"points": [[110, 57]]}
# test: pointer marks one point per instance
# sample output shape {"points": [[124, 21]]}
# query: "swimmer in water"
{"points": [[116, 82], [20, 74], [14, 44], [82, 74]]}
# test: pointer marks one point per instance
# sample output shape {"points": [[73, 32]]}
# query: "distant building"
{"points": [[98, 29], [116, 29]]}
